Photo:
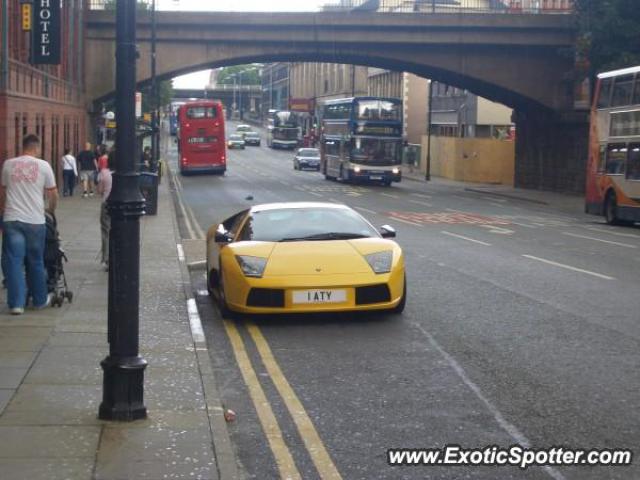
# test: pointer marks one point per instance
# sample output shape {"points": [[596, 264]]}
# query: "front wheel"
{"points": [[398, 309], [225, 311]]}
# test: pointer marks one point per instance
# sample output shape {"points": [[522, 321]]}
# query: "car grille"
{"points": [[372, 294], [265, 297]]}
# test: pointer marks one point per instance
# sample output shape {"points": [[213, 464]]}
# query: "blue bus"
{"points": [[362, 139], [173, 123]]}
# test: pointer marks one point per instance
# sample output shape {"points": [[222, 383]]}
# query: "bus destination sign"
{"points": [[45, 31], [377, 130]]}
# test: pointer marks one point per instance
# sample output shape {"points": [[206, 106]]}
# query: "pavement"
{"points": [[51, 379]]}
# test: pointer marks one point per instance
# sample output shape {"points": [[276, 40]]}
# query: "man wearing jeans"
{"points": [[26, 180]]}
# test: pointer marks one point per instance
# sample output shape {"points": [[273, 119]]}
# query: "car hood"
{"points": [[316, 257]]}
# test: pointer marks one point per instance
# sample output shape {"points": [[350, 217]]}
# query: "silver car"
{"points": [[307, 158], [235, 141]]}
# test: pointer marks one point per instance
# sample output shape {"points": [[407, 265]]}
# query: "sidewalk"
{"points": [[51, 379], [568, 202]]}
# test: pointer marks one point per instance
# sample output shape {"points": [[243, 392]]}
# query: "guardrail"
{"points": [[386, 6]]}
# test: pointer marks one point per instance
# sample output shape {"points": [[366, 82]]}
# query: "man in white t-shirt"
{"points": [[26, 180]]}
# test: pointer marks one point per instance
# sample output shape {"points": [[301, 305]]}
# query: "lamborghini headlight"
{"points": [[251, 266], [380, 262]]}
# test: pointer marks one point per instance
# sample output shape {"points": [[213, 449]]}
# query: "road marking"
{"points": [[523, 224], [181, 256], [626, 245], [497, 204], [499, 230], [194, 320], [284, 459], [424, 204], [462, 237], [316, 194], [334, 200], [366, 210], [421, 195], [321, 459], [611, 232], [396, 219], [198, 229], [390, 195], [507, 426], [569, 267]]}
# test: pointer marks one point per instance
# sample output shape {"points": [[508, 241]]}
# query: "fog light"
{"points": [[356, 169]]}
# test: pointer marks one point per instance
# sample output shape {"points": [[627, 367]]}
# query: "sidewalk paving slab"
{"points": [[51, 379]]}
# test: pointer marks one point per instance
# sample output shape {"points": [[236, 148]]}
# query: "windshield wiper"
{"points": [[326, 236]]}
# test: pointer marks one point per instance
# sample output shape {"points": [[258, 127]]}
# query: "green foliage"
{"points": [[165, 94], [250, 75], [609, 33]]}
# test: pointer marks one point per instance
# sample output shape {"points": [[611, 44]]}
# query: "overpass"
{"points": [[247, 96], [524, 61]]}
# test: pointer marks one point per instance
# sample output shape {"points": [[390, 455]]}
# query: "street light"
{"points": [[123, 380], [155, 140]]}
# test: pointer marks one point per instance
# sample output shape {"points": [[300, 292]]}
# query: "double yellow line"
{"points": [[314, 445]]}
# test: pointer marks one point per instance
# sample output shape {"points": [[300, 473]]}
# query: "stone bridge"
{"points": [[523, 61]]}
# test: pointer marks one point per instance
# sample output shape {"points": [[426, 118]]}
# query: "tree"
{"points": [[250, 75], [609, 33], [165, 94]]}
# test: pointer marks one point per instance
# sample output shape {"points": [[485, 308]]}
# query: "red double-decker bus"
{"points": [[201, 142]]}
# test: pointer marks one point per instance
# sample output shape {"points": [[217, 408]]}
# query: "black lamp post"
{"points": [[155, 140], [427, 176], [123, 380]]}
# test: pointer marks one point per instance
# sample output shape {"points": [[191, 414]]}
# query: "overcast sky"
{"points": [[200, 79]]}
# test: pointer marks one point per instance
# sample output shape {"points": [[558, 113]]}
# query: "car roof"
{"points": [[287, 205]]}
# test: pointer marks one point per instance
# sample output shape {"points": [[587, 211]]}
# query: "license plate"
{"points": [[376, 177], [319, 296]]}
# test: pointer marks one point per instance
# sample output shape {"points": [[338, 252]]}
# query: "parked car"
{"points": [[297, 257], [252, 138], [235, 141], [307, 158]]}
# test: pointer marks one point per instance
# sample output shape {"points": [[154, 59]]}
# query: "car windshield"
{"points": [[374, 151], [300, 224], [252, 135], [235, 137], [309, 152]]}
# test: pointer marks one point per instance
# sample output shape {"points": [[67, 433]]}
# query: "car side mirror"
{"points": [[387, 231], [223, 236]]}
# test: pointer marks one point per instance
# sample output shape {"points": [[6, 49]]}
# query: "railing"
{"points": [[27, 80], [380, 6], [230, 87]]}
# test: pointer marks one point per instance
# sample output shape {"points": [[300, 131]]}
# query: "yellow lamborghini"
{"points": [[303, 257]]}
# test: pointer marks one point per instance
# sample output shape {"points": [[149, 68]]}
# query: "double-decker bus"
{"points": [[201, 141], [362, 139], [613, 175], [283, 130]]}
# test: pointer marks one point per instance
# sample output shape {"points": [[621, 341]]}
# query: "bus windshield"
{"points": [[201, 112], [286, 133], [375, 151], [380, 110]]}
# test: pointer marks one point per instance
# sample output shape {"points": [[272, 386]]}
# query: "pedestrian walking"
{"points": [[26, 180], [87, 161], [105, 181], [69, 173]]}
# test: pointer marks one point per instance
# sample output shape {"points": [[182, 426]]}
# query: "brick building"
{"points": [[47, 100]]}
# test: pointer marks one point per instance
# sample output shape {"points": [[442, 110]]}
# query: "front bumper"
{"points": [[374, 176], [204, 168], [362, 291], [235, 145], [309, 164]]}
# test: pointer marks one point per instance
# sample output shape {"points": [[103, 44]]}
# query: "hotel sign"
{"points": [[45, 32]]}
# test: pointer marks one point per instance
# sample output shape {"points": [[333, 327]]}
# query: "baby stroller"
{"points": [[54, 257]]}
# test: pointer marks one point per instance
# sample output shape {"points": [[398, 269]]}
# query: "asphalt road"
{"points": [[522, 326]]}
